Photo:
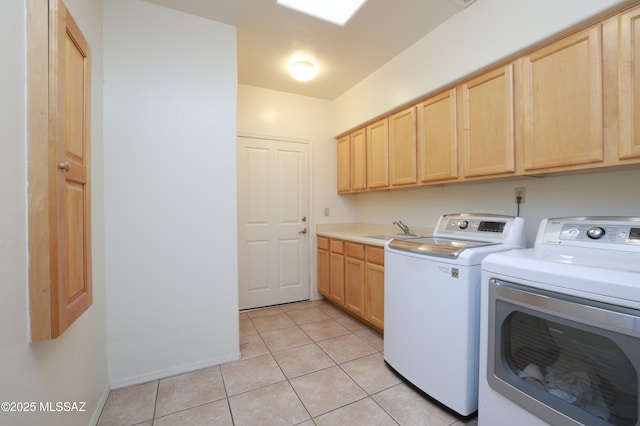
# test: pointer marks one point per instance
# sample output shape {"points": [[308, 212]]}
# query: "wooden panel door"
{"points": [[70, 169], [488, 138], [437, 138], [377, 155], [629, 84], [354, 278], [344, 165], [403, 148], [273, 239], [358, 160], [374, 288], [562, 103]]}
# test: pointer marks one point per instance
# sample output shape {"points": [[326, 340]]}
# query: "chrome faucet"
{"points": [[405, 228]]}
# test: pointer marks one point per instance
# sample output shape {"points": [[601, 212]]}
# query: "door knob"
{"points": [[64, 166], [304, 231]]}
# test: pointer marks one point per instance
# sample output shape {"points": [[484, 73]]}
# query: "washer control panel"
{"points": [[481, 227], [613, 233]]}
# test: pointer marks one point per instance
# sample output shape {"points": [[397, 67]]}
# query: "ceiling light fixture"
{"points": [[335, 11], [302, 70]]}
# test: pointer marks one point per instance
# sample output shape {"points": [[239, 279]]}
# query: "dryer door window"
{"points": [[555, 358]]}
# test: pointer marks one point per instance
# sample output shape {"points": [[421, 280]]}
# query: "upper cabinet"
{"points": [[437, 138], [572, 104], [358, 160], [402, 147], [562, 103], [488, 137], [378, 155], [352, 162], [344, 165], [629, 84]]}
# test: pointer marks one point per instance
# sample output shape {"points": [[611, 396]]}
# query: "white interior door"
{"points": [[273, 222]]}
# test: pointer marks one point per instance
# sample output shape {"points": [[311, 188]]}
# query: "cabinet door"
{"points": [[358, 153], [377, 155], [70, 232], [488, 137], [324, 274], [344, 165], [562, 103], [374, 288], [354, 278], [437, 138], [402, 147], [336, 269], [629, 84]]}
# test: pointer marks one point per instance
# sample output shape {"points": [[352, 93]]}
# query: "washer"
{"points": [[432, 304], [560, 327]]}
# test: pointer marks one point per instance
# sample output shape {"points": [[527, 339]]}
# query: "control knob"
{"points": [[595, 233], [463, 224]]}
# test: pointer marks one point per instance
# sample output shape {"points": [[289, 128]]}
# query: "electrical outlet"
{"points": [[519, 192]]}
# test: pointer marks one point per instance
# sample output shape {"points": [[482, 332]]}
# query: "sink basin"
{"points": [[389, 236]]}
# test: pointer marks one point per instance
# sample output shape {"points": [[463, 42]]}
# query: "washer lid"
{"points": [[436, 247]]}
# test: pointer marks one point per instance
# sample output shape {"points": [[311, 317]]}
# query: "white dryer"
{"points": [[560, 327]]}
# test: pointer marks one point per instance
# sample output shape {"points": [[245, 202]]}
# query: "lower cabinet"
{"points": [[351, 276], [374, 286]]}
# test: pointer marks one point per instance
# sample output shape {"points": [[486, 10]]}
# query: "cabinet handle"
{"points": [[64, 166], [304, 231]]}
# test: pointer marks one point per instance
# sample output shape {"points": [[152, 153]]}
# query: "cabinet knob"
{"points": [[64, 166], [304, 231]]}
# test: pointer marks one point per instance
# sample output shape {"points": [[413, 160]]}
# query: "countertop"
{"points": [[363, 232]]}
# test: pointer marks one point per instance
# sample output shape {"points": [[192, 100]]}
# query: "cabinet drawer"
{"points": [[375, 255], [355, 251], [337, 246], [323, 243]]}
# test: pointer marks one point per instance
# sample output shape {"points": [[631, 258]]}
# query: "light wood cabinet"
{"points": [[344, 164], [378, 155], [351, 276], [324, 268], [60, 277], [572, 104], [336, 271], [629, 84], [562, 103], [358, 160], [354, 278], [488, 132], [437, 138], [403, 148], [374, 287]]}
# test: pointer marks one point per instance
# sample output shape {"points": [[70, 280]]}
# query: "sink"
{"points": [[387, 237]]}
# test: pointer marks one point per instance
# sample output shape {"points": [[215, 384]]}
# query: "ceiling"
{"points": [[269, 34]]}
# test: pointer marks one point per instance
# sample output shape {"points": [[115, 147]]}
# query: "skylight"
{"points": [[335, 11]]}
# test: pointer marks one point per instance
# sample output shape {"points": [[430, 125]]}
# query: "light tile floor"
{"points": [[305, 364]]}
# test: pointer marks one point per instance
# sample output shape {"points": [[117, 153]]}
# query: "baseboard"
{"points": [[100, 406], [161, 374]]}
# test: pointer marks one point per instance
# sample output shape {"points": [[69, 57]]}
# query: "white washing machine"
{"points": [[432, 304], [560, 327]]}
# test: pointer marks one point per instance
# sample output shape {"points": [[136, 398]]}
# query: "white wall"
{"points": [[593, 194], [263, 112], [170, 191], [478, 36], [73, 367]]}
